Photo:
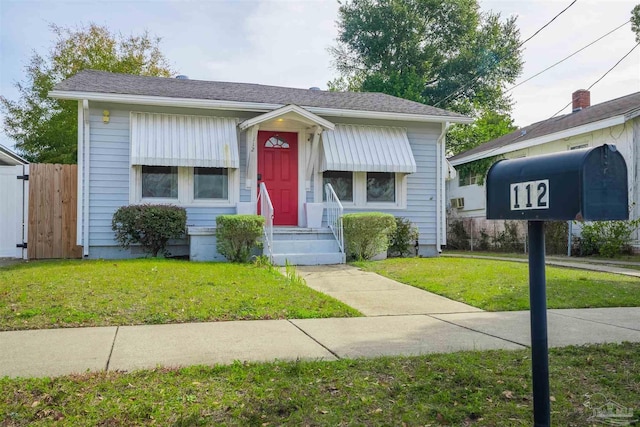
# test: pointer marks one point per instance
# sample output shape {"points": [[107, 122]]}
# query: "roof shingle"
{"points": [[625, 105], [113, 83]]}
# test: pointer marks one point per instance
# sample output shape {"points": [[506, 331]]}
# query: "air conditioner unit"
{"points": [[457, 203]]}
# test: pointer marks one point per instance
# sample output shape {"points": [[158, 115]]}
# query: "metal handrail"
{"points": [[334, 215], [266, 210]]}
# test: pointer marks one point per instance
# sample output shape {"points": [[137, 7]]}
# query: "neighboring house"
{"points": [[208, 146], [13, 204], [612, 122]]}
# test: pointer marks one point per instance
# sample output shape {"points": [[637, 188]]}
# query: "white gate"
{"points": [[14, 194]]}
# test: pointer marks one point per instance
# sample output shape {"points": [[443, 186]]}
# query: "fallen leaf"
{"points": [[508, 394]]}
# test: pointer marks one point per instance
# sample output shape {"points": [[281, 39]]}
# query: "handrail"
{"points": [[266, 210], [334, 215]]}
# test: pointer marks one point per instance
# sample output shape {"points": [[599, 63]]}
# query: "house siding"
{"points": [[110, 175]]}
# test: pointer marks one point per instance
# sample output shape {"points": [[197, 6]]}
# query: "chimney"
{"points": [[581, 99]]}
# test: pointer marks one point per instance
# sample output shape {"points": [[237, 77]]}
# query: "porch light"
{"points": [[105, 116]]}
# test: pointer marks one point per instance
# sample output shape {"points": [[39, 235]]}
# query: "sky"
{"points": [[285, 43]]}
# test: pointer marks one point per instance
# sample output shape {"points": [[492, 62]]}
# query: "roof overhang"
{"points": [[290, 112], [9, 158], [567, 133], [248, 106]]}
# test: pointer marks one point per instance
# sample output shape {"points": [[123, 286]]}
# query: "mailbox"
{"points": [[588, 184]]}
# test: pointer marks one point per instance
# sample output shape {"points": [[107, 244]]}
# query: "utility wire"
{"points": [[565, 58], [601, 77], [538, 124], [545, 25], [476, 78]]}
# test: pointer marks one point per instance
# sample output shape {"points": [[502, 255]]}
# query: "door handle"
{"points": [[259, 177]]}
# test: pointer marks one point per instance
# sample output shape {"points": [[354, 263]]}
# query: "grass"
{"points": [[504, 286], [149, 291], [487, 388]]}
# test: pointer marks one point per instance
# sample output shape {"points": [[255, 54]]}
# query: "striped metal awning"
{"points": [[177, 140], [367, 149]]}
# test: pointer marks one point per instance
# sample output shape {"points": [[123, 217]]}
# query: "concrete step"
{"points": [[296, 233], [309, 258], [305, 246]]}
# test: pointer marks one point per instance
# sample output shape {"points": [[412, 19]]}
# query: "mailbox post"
{"points": [[588, 184]]}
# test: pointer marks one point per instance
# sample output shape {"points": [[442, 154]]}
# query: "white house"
{"points": [[13, 209], [612, 122], [215, 147]]}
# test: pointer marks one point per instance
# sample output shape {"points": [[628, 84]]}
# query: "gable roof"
{"points": [[605, 114], [90, 84]]}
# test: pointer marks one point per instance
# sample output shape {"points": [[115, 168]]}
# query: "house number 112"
{"points": [[530, 195]]}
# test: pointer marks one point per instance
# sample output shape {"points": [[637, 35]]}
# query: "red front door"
{"points": [[278, 169]]}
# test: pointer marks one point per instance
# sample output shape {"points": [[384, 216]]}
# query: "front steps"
{"points": [[305, 246]]}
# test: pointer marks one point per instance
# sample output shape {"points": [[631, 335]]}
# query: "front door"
{"points": [[278, 169]]}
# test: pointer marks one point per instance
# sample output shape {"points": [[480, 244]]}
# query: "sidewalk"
{"points": [[425, 323]]}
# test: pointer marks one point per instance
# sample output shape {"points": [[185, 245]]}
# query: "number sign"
{"points": [[530, 195]]}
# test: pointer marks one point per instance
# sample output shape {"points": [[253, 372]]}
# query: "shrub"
{"points": [[403, 238], [149, 225], [457, 237], [238, 235], [483, 241], [607, 238], [509, 240], [367, 234], [556, 235]]}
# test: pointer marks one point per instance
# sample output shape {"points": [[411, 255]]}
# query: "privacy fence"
{"points": [[53, 212]]}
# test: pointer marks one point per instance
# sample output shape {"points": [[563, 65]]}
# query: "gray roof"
{"points": [[112, 83], [628, 106]]}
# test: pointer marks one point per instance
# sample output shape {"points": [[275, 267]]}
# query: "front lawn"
{"points": [[503, 286], [129, 292], [490, 388]]}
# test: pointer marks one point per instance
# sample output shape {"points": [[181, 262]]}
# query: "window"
{"points": [[276, 142], [342, 183], [381, 187], [184, 186], [160, 182], [210, 183], [469, 180], [578, 147]]}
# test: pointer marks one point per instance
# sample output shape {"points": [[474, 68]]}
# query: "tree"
{"points": [[45, 129], [439, 52], [635, 21], [489, 125]]}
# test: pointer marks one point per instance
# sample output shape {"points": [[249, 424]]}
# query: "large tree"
{"points": [[635, 21], [45, 129], [445, 53]]}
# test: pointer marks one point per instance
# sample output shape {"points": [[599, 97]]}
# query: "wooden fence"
{"points": [[53, 209]]}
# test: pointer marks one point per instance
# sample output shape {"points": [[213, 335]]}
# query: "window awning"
{"points": [[367, 149], [177, 140]]}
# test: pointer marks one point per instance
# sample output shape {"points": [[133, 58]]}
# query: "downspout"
{"points": [[86, 164], [80, 178], [440, 205]]}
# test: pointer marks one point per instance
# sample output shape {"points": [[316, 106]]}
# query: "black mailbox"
{"points": [[589, 184]]}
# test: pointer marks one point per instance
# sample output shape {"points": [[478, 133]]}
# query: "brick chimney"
{"points": [[581, 99]]}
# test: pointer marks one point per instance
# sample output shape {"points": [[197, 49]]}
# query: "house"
{"points": [[216, 147], [13, 209], [612, 122]]}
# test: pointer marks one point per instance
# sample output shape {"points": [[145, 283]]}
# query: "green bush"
{"points": [[367, 234], [403, 239], [556, 235], [457, 237], [509, 240], [238, 235], [149, 225], [607, 238]]}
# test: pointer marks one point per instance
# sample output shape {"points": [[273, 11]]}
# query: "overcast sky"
{"points": [[285, 42]]}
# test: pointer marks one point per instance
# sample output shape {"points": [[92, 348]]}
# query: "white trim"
{"points": [[308, 118], [302, 190], [441, 210], [250, 106], [313, 156], [567, 133], [251, 135], [80, 176], [86, 241], [360, 192]]}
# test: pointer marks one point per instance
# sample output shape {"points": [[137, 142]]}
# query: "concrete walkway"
{"points": [[403, 321]]}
